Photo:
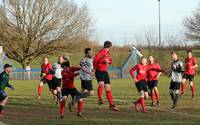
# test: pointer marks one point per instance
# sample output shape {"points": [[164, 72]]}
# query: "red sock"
{"points": [[143, 104], [152, 97], [39, 90], [183, 88], [157, 97], [109, 97], [80, 106], [100, 91], [193, 90], [137, 101], [62, 108]]}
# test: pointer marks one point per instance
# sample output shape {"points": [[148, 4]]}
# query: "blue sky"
{"points": [[120, 20]]}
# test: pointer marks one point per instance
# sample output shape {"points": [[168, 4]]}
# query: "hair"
{"points": [[66, 64], [174, 52], [155, 60], [107, 44], [87, 50], [45, 57], [189, 51]]}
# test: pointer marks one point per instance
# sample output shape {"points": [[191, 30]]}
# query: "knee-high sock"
{"points": [[138, 101], [39, 90], [157, 97], [152, 96], [62, 107], [80, 106], [172, 96], [143, 104], [176, 98], [100, 91], [192, 89], [183, 87], [109, 97]]}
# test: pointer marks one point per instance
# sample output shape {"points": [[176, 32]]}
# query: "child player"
{"points": [[57, 77], [4, 82], [153, 76], [190, 68], [140, 81], [46, 76], [101, 65], [68, 88]]}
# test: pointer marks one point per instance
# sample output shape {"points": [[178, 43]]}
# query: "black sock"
{"points": [[84, 95], [172, 96], [176, 99]]}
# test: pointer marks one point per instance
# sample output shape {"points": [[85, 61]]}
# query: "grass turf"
{"points": [[23, 109]]}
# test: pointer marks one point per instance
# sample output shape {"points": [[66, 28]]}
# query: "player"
{"points": [[86, 74], [68, 88], [177, 70], [140, 82], [46, 76], [190, 68], [4, 82], [101, 64], [57, 77], [153, 77]]}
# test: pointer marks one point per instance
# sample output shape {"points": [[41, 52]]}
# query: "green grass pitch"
{"points": [[23, 109]]}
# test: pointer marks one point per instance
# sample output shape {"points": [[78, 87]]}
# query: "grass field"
{"points": [[23, 109]]}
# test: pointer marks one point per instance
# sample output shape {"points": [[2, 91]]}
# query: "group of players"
{"points": [[60, 79], [146, 77]]}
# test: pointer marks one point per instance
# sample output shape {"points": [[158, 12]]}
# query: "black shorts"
{"points": [[72, 92], [56, 83], [188, 77], [141, 85], [86, 84], [3, 95], [152, 84], [175, 85], [102, 76], [49, 82]]}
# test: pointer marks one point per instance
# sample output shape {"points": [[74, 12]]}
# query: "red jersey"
{"points": [[68, 75], [153, 71], [101, 59], [141, 72], [188, 63], [46, 68]]}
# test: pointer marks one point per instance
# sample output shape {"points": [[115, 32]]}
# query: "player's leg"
{"points": [[62, 107], [172, 92], [183, 85], [58, 88], [40, 86], [4, 100], [150, 86], [176, 95], [86, 89], [142, 100], [80, 108], [157, 95], [156, 92], [191, 77], [100, 77]]}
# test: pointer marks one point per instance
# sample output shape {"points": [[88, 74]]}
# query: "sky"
{"points": [[120, 20]]}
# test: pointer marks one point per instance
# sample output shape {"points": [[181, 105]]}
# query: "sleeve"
{"points": [[132, 71], [194, 61], [82, 63], [96, 60], [180, 67], [67, 75], [9, 85], [75, 69]]}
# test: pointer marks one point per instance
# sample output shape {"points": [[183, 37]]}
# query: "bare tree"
{"points": [[31, 28], [192, 25]]}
